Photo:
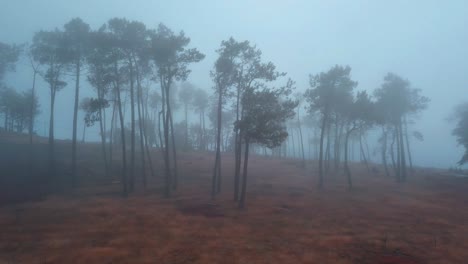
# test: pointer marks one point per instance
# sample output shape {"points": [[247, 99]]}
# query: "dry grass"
{"points": [[287, 220]]}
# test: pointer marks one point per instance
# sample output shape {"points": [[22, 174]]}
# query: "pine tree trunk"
{"points": [[145, 129], [124, 154], [103, 141], [302, 141], [336, 146], [31, 123], [140, 127], [402, 150], [322, 136], [132, 132], [347, 170], [186, 127], [237, 150], [175, 182], [392, 154], [84, 133], [51, 135], [244, 175], [384, 151], [75, 122], [398, 140], [168, 178], [408, 147], [328, 151], [363, 153], [111, 137], [217, 167]]}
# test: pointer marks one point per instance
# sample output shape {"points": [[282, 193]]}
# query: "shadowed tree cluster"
{"points": [[140, 80]]}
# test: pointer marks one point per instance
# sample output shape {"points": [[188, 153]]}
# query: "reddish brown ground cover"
{"points": [[287, 219]]}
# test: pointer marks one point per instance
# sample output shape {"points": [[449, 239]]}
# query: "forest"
{"points": [[184, 168]]}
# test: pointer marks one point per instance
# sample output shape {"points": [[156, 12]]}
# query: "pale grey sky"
{"points": [[422, 40]]}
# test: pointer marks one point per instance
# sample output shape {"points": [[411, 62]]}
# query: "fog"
{"points": [[423, 41]]}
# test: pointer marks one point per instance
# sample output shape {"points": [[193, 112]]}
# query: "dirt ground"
{"points": [[287, 219]]}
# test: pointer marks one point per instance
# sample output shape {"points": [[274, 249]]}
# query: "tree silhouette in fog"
{"points": [[461, 129], [186, 96], [395, 101], [77, 44], [49, 49], [328, 92], [265, 111], [200, 103], [358, 113], [171, 58], [16, 108], [9, 55]]}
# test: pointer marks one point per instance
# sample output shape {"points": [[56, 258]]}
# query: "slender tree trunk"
{"points": [[84, 133], [204, 131], [300, 135], [218, 182], [174, 151], [122, 134], [293, 145], [336, 146], [103, 142], [214, 178], [168, 178], [51, 135], [237, 149], [392, 154], [398, 141], [31, 122], [111, 137], [156, 128], [75, 122], [200, 133], [363, 154], [31, 110], [369, 157], [244, 175], [140, 126], [384, 151], [161, 144], [347, 170], [186, 127], [217, 167], [402, 154], [328, 151], [132, 132], [408, 147], [145, 130], [322, 136]]}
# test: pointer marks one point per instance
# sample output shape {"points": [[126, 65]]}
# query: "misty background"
{"points": [[423, 41]]}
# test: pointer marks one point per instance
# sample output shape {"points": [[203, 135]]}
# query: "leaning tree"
{"points": [[358, 113]]}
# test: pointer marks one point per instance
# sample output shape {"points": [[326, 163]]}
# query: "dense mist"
{"points": [[424, 42], [247, 131]]}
